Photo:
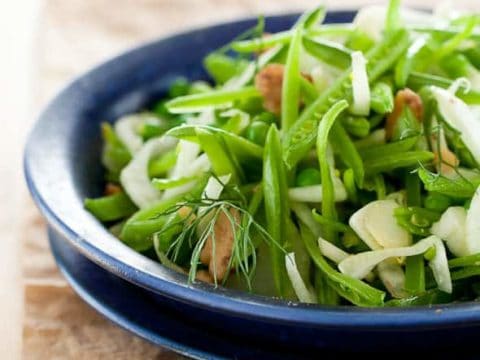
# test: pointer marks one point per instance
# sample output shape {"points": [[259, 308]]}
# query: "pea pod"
{"points": [[291, 81], [459, 188], [329, 52], [389, 162], [382, 98], [112, 207], [396, 147], [215, 98], [276, 206], [306, 21], [242, 148], [354, 290], [328, 193], [301, 137], [347, 151]]}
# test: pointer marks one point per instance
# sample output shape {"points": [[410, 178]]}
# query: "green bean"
{"points": [[380, 189], [393, 20], [242, 148], [347, 151], [465, 261], [415, 274], [111, 207], [459, 188], [414, 265], [159, 167], [222, 161], [291, 81], [354, 290], [301, 137], [388, 162], [329, 52], [328, 194], [466, 272], [200, 102], [326, 295], [382, 98], [396, 147], [276, 205]]}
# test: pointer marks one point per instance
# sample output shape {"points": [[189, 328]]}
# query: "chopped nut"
{"points": [[405, 97], [269, 82], [445, 160], [111, 189], [224, 239], [204, 275]]}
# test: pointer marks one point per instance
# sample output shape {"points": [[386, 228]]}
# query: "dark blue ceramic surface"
{"points": [[62, 167]]}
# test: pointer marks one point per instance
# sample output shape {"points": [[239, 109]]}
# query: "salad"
{"points": [[336, 164]]}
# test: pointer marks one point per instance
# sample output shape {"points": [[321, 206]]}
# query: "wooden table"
{"points": [[70, 37]]}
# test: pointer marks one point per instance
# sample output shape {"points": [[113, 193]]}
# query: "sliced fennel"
{"points": [[215, 186], [303, 212], [451, 229], [134, 177], [460, 117], [313, 193], [126, 130], [360, 86], [331, 251], [303, 293], [472, 224], [376, 225], [359, 265]]}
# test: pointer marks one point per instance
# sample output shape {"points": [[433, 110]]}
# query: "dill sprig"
{"points": [[199, 225]]}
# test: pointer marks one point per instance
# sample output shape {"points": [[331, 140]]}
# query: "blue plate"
{"points": [[62, 167], [156, 322]]}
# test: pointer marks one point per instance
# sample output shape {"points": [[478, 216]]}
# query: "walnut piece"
{"points": [[405, 97], [111, 189], [269, 82], [224, 240]]}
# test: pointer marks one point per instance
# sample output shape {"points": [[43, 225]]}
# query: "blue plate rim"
{"points": [[228, 301]]}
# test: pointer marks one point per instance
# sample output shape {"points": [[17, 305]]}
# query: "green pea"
{"points": [[266, 117], [257, 132], [307, 177], [179, 87]]}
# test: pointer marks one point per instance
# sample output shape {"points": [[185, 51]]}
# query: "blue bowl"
{"points": [[62, 167]]}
